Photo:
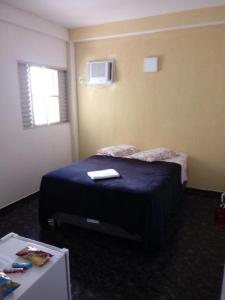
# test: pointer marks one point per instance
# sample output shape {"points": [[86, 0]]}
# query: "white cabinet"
{"points": [[48, 282], [223, 287]]}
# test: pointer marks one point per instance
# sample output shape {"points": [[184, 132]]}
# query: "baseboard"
{"points": [[13, 205], [189, 190]]}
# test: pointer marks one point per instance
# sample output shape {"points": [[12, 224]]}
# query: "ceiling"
{"points": [[77, 13]]}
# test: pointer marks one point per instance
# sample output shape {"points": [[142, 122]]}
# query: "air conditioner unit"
{"points": [[100, 72]]}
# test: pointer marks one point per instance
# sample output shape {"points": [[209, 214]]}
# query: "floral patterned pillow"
{"points": [[118, 151], [153, 154]]}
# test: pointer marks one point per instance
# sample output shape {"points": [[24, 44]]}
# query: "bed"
{"points": [[141, 201]]}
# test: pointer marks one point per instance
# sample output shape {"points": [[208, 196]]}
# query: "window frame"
{"points": [[63, 102]]}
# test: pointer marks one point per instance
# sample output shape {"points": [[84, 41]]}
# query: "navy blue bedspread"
{"points": [[140, 201]]}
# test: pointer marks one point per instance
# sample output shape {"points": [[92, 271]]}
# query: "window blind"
{"points": [[26, 95], [63, 107]]}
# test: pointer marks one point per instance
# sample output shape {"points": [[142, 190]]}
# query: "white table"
{"points": [[223, 287], [48, 282]]}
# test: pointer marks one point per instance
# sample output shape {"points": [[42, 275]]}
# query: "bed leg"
{"points": [[53, 224], [46, 224]]}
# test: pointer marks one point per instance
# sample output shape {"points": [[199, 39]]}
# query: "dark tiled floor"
{"points": [[109, 268]]}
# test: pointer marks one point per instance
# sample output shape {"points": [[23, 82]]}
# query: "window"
{"points": [[43, 95]]}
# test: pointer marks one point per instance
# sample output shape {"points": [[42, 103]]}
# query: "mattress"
{"points": [[181, 159]]}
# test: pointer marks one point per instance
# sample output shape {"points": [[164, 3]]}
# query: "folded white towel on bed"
{"points": [[103, 174]]}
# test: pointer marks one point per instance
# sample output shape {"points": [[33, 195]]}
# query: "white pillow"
{"points": [[153, 154], [118, 151]]}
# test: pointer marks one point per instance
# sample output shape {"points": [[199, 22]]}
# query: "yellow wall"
{"points": [[182, 106], [185, 18]]}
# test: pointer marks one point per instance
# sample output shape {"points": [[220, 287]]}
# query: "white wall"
{"points": [[25, 155]]}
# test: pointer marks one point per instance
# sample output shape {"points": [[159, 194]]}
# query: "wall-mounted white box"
{"points": [[151, 64]]}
